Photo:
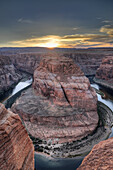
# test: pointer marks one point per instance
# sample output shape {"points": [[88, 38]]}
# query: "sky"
{"points": [[56, 23]]}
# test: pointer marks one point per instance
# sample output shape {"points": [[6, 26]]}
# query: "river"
{"points": [[43, 162]]}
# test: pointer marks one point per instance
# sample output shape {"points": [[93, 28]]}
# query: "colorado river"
{"points": [[107, 102], [20, 86]]}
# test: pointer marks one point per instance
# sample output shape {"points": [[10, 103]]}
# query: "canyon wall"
{"points": [[26, 62], [100, 157], [104, 74], [105, 71], [8, 74], [16, 148], [88, 63]]}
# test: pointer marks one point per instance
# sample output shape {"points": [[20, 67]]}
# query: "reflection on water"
{"points": [[107, 102], [96, 86], [21, 86], [111, 135], [47, 163]]}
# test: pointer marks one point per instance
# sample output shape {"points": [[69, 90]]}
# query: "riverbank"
{"points": [[11, 96], [106, 84], [6, 94], [44, 162], [80, 147]]}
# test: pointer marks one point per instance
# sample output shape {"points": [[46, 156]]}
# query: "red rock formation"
{"points": [[16, 148], [104, 75], [100, 157], [105, 71], [88, 62], [8, 74], [64, 83], [62, 108], [27, 62]]}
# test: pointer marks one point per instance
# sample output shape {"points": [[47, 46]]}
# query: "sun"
{"points": [[51, 44]]}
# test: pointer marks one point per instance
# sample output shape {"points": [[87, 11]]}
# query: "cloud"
{"points": [[99, 18], [76, 40], [75, 28], [108, 29], [107, 21], [27, 21], [104, 38]]}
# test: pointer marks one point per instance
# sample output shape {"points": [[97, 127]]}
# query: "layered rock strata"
{"points": [[100, 157], [104, 74], [16, 148], [62, 106], [26, 62], [8, 74], [89, 63]]}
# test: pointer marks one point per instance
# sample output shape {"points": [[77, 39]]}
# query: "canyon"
{"points": [[104, 74], [16, 148], [61, 106], [58, 110], [100, 157], [9, 75]]}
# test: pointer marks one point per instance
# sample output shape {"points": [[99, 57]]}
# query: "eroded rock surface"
{"points": [[26, 62], [100, 157], [104, 75], [105, 71], [16, 148], [62, 106], [89, 63], [8, 74]]}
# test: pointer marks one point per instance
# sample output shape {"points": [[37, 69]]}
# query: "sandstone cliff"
{"points": [[100, 157], [61, 106], [26, 62], [16, 148], [104, 74], [89, 63], [8, 74], [105, 71]]}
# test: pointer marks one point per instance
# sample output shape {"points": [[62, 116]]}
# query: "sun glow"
{"points": [[66, 41], [50, 44]]}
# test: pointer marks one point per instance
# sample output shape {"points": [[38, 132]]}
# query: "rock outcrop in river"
{"points": [[8, 74], [100, 157], [104, 75], [16, 148], [62, 106]]}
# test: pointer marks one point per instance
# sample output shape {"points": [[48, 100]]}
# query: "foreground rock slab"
{"points": [[16, 148], [100, 157]]}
